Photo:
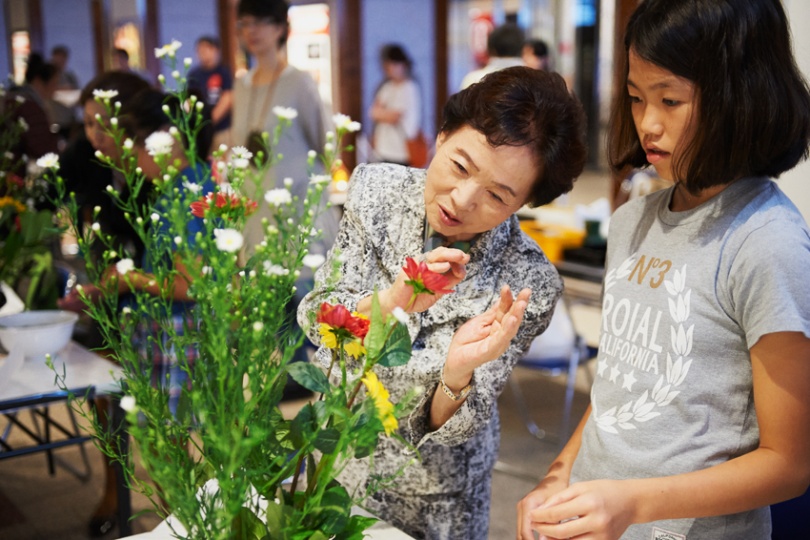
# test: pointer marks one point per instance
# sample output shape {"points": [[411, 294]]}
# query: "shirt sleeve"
{"points": [[411, 110]]}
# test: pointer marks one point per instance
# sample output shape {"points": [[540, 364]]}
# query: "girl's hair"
{"points": [[752, 113], [126, 84], [272, 10], [396, 53], [144, 115], [521, 106]]}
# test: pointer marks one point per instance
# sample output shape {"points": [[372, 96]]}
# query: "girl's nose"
{"points": [[650, 122]]}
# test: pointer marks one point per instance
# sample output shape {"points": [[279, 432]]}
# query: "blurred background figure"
{"points": [[215, 82], [535, 54], [397, 107], [120, 62], [60, 54], [505, 46], [34, 94]]}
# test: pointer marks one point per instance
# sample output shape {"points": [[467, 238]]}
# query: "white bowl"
{"points": [[37, 333]]}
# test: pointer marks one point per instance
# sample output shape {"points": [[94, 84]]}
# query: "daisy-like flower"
{"points": [[340, 327], [382, 402], [320, 179], [275, 269], [48, 161], [192, 187], [104, 94], [159, 143], [128, 403], [124, 266], [222, 204], [170, 49], [12, 202], [277, 197], [400, 315], [229, 240], [424, 280], [314, 260], [285, 113], [345, 123]]}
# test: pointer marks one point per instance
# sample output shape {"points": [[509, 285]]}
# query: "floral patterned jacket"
{"points": [[383, 223]]}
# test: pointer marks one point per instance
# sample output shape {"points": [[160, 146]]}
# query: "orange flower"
{"points": [[337, 325], [424, 280]]}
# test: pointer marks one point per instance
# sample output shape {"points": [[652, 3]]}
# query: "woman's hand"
{"points": [[484, 338], [448, 261], [74, 302], [598, 510], [549, 486]]}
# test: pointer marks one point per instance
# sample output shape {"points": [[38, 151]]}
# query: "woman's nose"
{"points": [[466, 195]]}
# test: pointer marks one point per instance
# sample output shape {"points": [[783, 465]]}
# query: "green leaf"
{"points": [[309, 376], [248, 526], [275, 518], [327, 440], [333, 513], [354, 529], [375, 339], [398, 348], [303, 426]]}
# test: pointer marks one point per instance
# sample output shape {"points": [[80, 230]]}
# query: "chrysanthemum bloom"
{"points": [[338, 325], [385, 409], [222, 203], [424, 280]]}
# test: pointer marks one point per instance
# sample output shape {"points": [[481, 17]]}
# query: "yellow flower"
{"points": [[385, 409], [329, 339], [11, 201], [355, 348]]}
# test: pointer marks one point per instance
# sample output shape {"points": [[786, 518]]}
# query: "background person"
{"points": [[397, 108], [709, 422], [535, 54], [505, 47], [215, 82], [515, 138]]}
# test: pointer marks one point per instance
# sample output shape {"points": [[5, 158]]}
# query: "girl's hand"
{"points": [[74, 302], [598, 510], [485, 337], [549, 486], [442, 260]]}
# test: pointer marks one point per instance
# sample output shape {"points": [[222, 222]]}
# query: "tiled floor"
{"points": [[36, 506]]}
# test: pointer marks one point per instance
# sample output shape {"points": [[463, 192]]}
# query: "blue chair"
{"points": [[570, 341]]}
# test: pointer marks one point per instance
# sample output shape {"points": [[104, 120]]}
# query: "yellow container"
{"points": [[553, 239]]}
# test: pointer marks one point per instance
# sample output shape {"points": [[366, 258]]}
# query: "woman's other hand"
{"points": [[550, 485], [484, 338]]}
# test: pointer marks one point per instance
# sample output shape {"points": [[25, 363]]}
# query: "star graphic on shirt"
{"points": [[629, 380], [614, 372], [601, 367]]}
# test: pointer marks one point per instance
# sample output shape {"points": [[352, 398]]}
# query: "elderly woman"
{"points": [[515, 138]]}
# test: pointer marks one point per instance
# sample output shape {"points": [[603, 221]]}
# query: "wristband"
{"points": [[449, 393]]}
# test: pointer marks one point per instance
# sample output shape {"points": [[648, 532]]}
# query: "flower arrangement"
{"points": [[27, 227], [275, 477]]}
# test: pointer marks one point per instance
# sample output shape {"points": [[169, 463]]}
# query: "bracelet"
{"points": [[446, 389]]}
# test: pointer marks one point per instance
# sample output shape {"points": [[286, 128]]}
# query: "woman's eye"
{"points": [[496, 196], [460, 167]]}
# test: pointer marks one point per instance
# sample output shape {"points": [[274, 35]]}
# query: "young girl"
{"points": [[699, 415]]}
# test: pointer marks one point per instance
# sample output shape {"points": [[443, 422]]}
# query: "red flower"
{"points": [[339, 318], [222, 203], [424, 280]]}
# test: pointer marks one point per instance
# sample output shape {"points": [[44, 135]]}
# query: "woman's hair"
{"points": [[274, 10], [38, 68], [126, 84], [752, 114], [144, 115], [393, 52], [521, 106]]}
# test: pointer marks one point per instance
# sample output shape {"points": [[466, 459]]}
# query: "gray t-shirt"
{"points": [[686, 295]]}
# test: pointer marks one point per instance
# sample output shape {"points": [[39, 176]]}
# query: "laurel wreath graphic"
{"points": [[643, 409]]}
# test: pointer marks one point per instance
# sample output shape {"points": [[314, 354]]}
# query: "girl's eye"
{"points": [[634, 99], [670, 102]]}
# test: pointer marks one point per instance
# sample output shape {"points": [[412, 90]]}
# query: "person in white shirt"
{"points": [[505, 47]]}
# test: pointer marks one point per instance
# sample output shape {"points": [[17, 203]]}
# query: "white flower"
{"points": [[96, 227], [206, 270], [128, 144], [178, 240], [344, 122], [168, 50], [400, 315], [23, 124], [226, 188], [320, 179], [275, 269], [126, 310], [124, 265], [287, 113], [159, 143], [192, 187], [187, 61], [240, 163], [155, 217], [128, 403], [277, 197], [104, 94], [240, 152], [314, 260], [48, 161], [288, 182], [312, 154], [257, 326], [229, 240]]}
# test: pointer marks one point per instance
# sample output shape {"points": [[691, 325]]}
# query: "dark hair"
{"points": [[752, 104], [125, 83], [521, 106], [210, 40], [60, 49], [121, 52], [394, 52], [38, 68], [505, 41], [538, 46], [275, 10], [144, 114]]}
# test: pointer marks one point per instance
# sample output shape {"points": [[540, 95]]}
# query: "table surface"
{"points": [[30, 378]]}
